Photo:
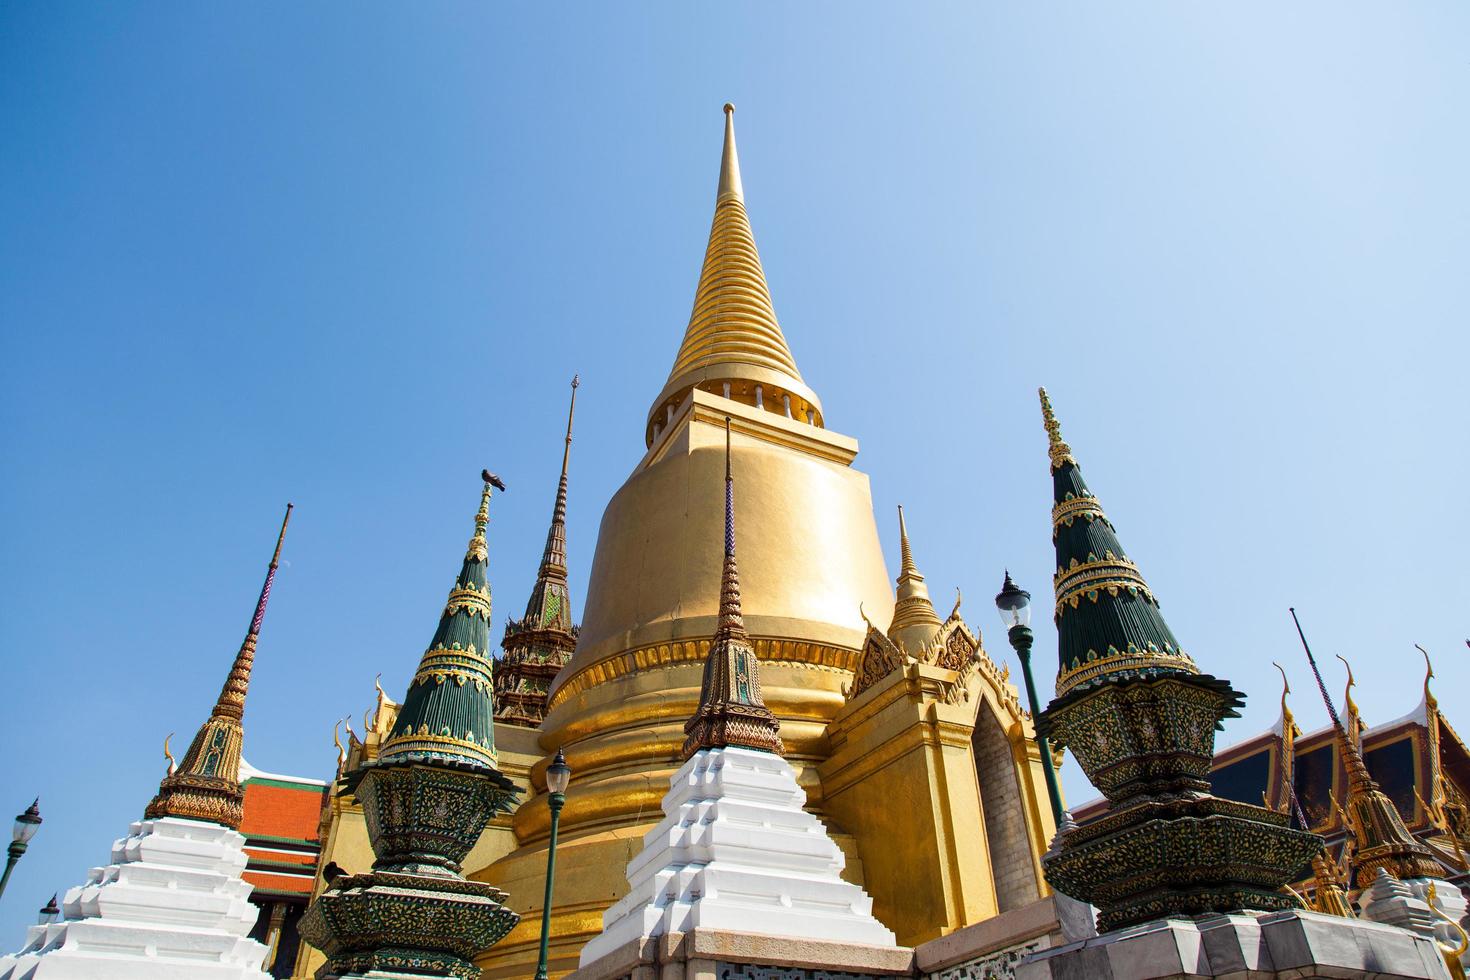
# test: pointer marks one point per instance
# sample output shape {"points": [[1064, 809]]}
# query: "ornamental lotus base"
{"points": [[385, 923], [424, 816], [1144, 737], [1181, 857]]}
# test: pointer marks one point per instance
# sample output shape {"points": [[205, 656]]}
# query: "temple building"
{"points": [[916, 711], [1418, 760], [280, 822]]}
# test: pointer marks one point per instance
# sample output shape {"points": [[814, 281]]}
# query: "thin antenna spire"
{"points": [[731, 619], [231, 701], [1312, 661], [571, 410]]}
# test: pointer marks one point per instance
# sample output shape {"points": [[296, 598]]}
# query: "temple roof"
{"points": [[448, 714], [1108, 622], [733, 334]]}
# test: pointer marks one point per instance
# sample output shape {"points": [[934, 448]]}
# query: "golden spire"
{"points": [[733, 335], [206, 783], [914, 620], [1059, 450]]}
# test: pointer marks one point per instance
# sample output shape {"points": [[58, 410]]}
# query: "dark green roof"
{"points": [[448, 714], [1109, 625]]}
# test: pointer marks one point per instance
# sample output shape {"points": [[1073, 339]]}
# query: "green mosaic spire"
{"points": [[1109, 626], [449, 712]]}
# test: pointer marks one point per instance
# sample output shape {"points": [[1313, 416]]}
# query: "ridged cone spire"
{"points": [[914, 620], [448, 713], [1108, 621], [205, 785], [733, 335], [553, 568], [541, 642], [1381, 837], [731, 711]]}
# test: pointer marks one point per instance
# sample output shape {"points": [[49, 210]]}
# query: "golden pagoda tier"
{"points": [[939, 743]]}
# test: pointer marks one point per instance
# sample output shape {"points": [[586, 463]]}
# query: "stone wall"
{"points": [[1005, 817]]}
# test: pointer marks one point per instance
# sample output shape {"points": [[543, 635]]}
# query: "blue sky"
{"points": [[346, 255]]}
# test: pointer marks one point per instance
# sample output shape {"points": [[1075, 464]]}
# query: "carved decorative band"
{"points": [[793, 653], [1114, 662], [423, 741], [1067, 511], [471, 601], [1109, 573], [460, 677]]}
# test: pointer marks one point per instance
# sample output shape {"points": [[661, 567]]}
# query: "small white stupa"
{"points": [[736, 851], [171, 904]]}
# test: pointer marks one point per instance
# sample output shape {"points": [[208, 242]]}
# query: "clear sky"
{"points": [[346, 255]]}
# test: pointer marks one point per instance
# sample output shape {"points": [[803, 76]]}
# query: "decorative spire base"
{"points": [[426, 800], [1141, 719]]}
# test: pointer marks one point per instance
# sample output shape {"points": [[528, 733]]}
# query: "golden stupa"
{"points": [[911, 744]]}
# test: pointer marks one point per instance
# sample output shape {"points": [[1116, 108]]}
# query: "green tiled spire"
{"points": [[449, 712], [1109, 625]]}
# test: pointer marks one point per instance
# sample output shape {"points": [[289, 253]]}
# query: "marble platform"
{"points": [[171, 905], [736, 852], [1244, 946]]}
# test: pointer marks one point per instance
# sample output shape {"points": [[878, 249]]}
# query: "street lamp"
{"points": [[558, 774], [1015, 612], [26, 826]]}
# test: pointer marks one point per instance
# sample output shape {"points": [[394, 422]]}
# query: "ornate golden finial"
{"points": [[1288, 720], [1430, 701], [730, 186], [1355, 724], [1059, 450], [915, 622], [337, 741], [172, 763], [477, 550], [906, 559]]}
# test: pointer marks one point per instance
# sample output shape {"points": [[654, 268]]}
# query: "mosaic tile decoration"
{"points": [[1000, 965], [754, 971]]}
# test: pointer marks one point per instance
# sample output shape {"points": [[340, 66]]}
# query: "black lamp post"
{"points": [[26, 826], [558, 775], [1015, 612]]}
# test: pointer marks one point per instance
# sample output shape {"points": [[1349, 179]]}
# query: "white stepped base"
{"points": [[736, 851], [170, 906]]}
